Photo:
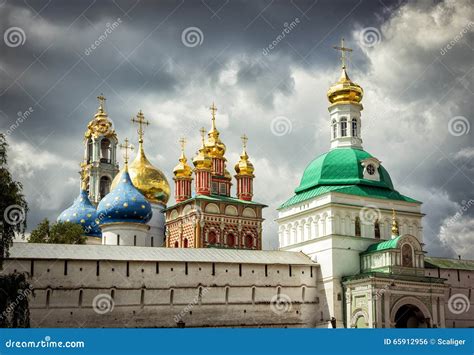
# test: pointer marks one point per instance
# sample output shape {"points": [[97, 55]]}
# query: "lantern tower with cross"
{"points": [[345, 108], [100, 162], [244, 169], [183, 176]]}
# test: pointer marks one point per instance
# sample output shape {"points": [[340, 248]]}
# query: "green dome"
{"points": [[341, 166]]}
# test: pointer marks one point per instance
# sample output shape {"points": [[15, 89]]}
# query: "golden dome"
{"points": [[150, 181], [100, 125], [345, 90], [244, 166], [182, 170], [202, 160], [214, 145]]}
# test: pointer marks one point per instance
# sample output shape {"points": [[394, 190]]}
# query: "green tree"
{"points": [[15, 289], [13, 206], [58, 233]]}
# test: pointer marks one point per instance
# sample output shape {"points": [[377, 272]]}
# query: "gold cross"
{"points": [[182, 141], [141, 121], [343, 52], [213, 109], [244, 141], [203, 134], [126, 146], [101, 99]]}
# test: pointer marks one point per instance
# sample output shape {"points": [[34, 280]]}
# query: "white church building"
{"points": [[351, 250]]}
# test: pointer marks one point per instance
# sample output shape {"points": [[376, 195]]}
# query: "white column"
{"points": [[386, 299]]}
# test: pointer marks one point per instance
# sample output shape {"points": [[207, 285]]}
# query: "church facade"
{"points": [[351, 251]]}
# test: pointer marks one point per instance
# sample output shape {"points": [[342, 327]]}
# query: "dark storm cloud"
{"points": [[411, 90]]}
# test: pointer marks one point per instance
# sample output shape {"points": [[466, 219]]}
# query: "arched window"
{"points": [[104, 187], [354, 127], [176, 244], [334, 129], [343, 127], [212, 237], [89, 150], [357, 227], [377, 229], [407, 256], [248, 241], [105, 150], [185, 243], [230, 240]]}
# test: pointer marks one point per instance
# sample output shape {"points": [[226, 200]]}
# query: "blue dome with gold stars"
{"points": [[82, 212], [124, 204]]}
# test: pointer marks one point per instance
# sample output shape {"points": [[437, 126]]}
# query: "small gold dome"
{"points": [[244, 166], [182, 170], [214, 145], [202, 160], [100, 125], [150, 181], [345, 90]]}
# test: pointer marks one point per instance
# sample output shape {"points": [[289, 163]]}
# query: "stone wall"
{"points": [[94, 293]]}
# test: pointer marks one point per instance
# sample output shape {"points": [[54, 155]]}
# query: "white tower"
{"points": [[100, 161], [344, 202]]}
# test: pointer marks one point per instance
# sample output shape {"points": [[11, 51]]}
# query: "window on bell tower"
{"points": [[343, 127], [104, 187], [377, 229], [334, 129], [354, 127]]}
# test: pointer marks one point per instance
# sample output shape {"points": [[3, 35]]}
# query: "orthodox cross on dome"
{"points": [[140, 120], [101, 99], [182, 142], [126, 146], [213, 109], [203, 134], [343, 52], [244, 139]]}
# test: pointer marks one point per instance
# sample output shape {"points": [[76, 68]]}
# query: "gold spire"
{"points": [[202, 160], [140, 120], [182, 170], [395, 231], [100, 125], [214, 144], [344, 90], [126, 146], [244, 166]]}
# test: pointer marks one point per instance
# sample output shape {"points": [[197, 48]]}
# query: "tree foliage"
{"points": [[58, 233], [14, 304], [13, 206]]}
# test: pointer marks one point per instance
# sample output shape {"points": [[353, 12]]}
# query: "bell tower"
{"points": [[100, 147]]}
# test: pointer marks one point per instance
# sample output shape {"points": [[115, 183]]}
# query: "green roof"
{"points": [[218, 198], [444, 263], [385, 245], [340, 170]]}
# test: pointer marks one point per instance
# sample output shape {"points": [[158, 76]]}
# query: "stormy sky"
{"points": [[267, 65]]}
